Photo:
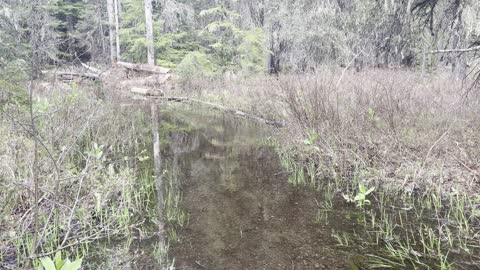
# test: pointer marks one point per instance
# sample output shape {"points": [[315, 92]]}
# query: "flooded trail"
{"points": [[242, 213]]}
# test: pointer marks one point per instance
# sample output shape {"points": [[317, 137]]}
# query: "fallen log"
{"points": [[66, 75], [146, 91], [71, 75], [92, 69], [225, 109], [144, 67], [154, 80]]}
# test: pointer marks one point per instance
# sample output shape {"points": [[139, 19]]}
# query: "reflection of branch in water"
{"points": [[157, 161]]}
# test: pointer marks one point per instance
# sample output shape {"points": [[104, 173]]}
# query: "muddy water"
{"points": [[242, 213]]}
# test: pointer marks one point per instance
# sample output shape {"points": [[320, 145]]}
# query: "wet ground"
{"points": [[231, 204], [242, 213]]}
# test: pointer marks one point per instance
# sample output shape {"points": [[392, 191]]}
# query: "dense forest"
{"points": [[214, 37], [239, 134]]}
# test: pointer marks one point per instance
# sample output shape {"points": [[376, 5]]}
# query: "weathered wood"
{"points": [[149, 32], [70, 75], [146, 91], [117, 29], [472, 49], [92, 69], [144, 67], [154, 80], [111, 30], [225, 109]]}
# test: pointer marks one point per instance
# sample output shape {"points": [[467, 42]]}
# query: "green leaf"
{"points": [[73, 265], [370, 190], [359, 197], [58, 260], [47, 263], [362, 188]]}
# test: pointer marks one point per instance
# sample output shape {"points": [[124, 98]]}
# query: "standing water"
{"points": [[242, 212], [230, 204]]}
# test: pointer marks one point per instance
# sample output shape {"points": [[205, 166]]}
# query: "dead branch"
{"points": [[472, 49]]}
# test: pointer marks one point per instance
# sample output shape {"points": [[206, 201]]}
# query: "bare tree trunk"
{"points": [[149, 32], [111, 30], [117, 28], [120, 10]]}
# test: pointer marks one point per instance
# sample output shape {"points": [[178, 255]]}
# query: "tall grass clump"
{"points": [[91, 163]]}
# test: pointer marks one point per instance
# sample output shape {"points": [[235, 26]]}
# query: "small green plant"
{"points": [[312, 137], [59, 264], [97, 151], [361, 197], [41, 105]]}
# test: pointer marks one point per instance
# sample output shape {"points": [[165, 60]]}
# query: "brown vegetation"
{"points": [[393, 125]]}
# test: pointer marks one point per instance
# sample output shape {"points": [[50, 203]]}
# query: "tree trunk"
{"points": [[111, 30], [149, 32], [119, 5], [117, 28]]}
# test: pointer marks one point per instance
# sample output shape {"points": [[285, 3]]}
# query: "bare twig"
{"points": [[84, 174], [472, 49]]}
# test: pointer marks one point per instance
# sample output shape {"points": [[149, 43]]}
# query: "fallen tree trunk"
{"points": [[144, 67], [146, 91], [154, 80], [74, 74], [225, 109], [70, 75], [92, 69]]}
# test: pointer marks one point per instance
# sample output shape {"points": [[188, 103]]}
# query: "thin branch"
{"points": [[84, 174], [472, 49]]}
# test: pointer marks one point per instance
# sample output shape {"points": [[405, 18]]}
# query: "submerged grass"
{"points": [[425, 232]]}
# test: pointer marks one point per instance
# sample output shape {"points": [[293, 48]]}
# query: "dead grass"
{"points": [[414, 132], [88, 171]]}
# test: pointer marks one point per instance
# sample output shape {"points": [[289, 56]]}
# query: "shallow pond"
{"points": [[231, 203], [241, 210]]}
